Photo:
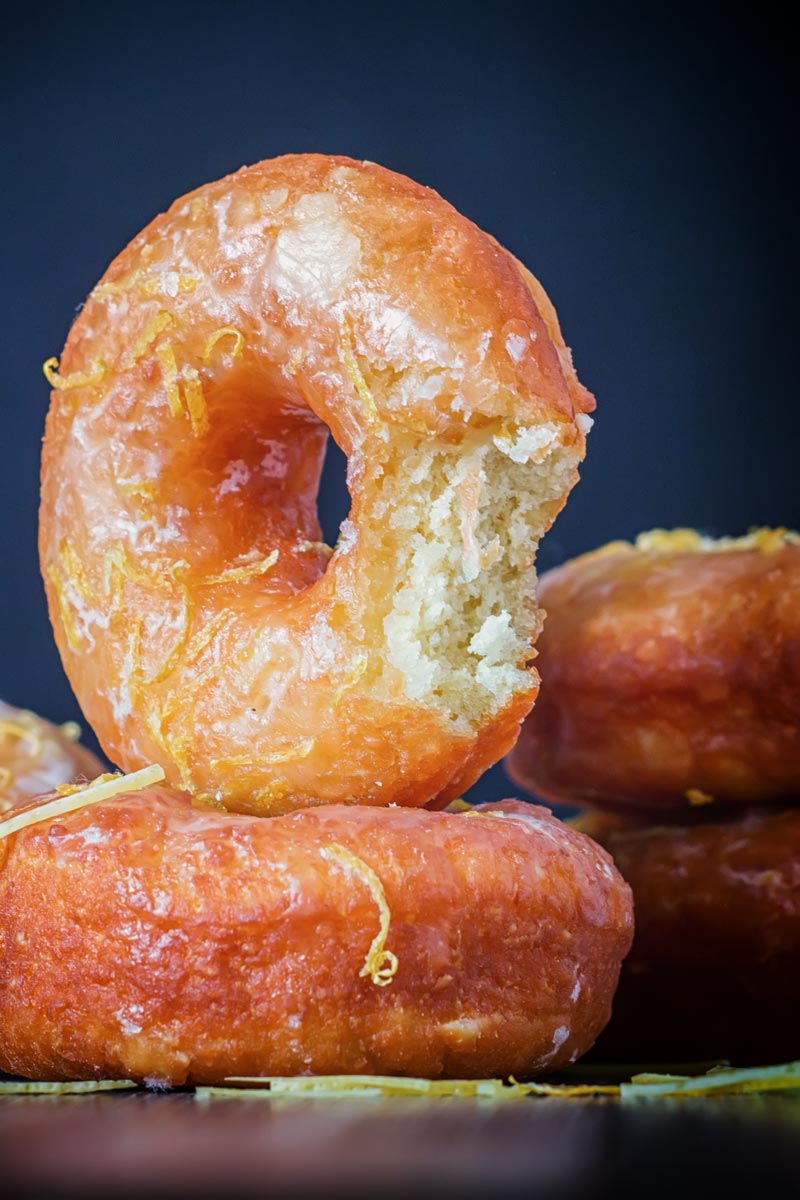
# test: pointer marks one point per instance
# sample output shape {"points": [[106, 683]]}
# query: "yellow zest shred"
{"points": [[156, 285], [689, 541], [305, 547], [295, 753], [104, 290], [75, 569], [71, 730], [237, 574], [102, 788], [195, 401], [645, 1086], [171, 661], [697, 797], [717, 1081], [192, 401], [565, 1090], [352, 678], [139, 488], [226, 332], [380, 964], [117, 567], [6, 778], [40, 1087], [63, 383], [146, 338], [296, 359], [356, 377], [169, 369], [67, 618], [273, 792], [459, 805], [291, 753], [206, 636], [70, 789], [338, 1086], [23, 733]]}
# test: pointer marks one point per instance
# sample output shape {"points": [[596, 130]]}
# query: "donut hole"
{"points": [[333, 500], [248, 487]]}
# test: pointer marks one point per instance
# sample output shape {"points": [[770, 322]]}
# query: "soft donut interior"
{"points": [[456, 530]]}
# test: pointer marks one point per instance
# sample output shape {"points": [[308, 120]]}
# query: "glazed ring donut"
{"points": [[671, 674], [201, 622], [36, 756], [143, 938], [715, 967]]}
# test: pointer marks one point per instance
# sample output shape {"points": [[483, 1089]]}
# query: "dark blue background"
{"points": [[635, 162]]}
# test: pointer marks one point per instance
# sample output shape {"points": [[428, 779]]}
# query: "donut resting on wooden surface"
{"points": [[142, 938]]}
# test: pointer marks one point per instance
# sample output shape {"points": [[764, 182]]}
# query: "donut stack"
{"points": [[670, 712], [285, 904]]}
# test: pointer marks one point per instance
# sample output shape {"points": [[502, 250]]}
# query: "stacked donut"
{"points": [[284, 903], [670, 709]]}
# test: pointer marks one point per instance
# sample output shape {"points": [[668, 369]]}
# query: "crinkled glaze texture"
{"points": [[715, 966], [202, 624], [36, 756], [671, 675], [142, 938]]}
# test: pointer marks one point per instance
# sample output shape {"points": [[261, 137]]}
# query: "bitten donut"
{"points": [[36, 756], [146, 939], [715, 967], [671, 675], [201, 622]]}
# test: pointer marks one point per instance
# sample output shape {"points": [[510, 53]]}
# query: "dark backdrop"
{"points": [[635, 162]]}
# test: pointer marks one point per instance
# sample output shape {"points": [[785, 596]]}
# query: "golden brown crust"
{"points": [[145, 939], [183, 448], [671, 675], [36, 756], [715, 966]]}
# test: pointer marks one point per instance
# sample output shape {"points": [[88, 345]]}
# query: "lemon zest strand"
{"points": [[238, 574], [380, 964], [226, 332], [356, 377], [169, 369], [171, 661], [42, 1087], [63, 383], [57, 580], [102, 788], [155, 285], [195, 401], [298, 751], [16, 729], [697, 797], [76, 572], [146, 338], [305, 547]]}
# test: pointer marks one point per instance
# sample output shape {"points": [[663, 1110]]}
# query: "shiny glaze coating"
{"points": [[142, 938], [671, 675], [36, 756], [714, 971], [201, 623]]}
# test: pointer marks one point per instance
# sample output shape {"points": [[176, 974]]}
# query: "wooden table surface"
{"points": [[174, 1145]]}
